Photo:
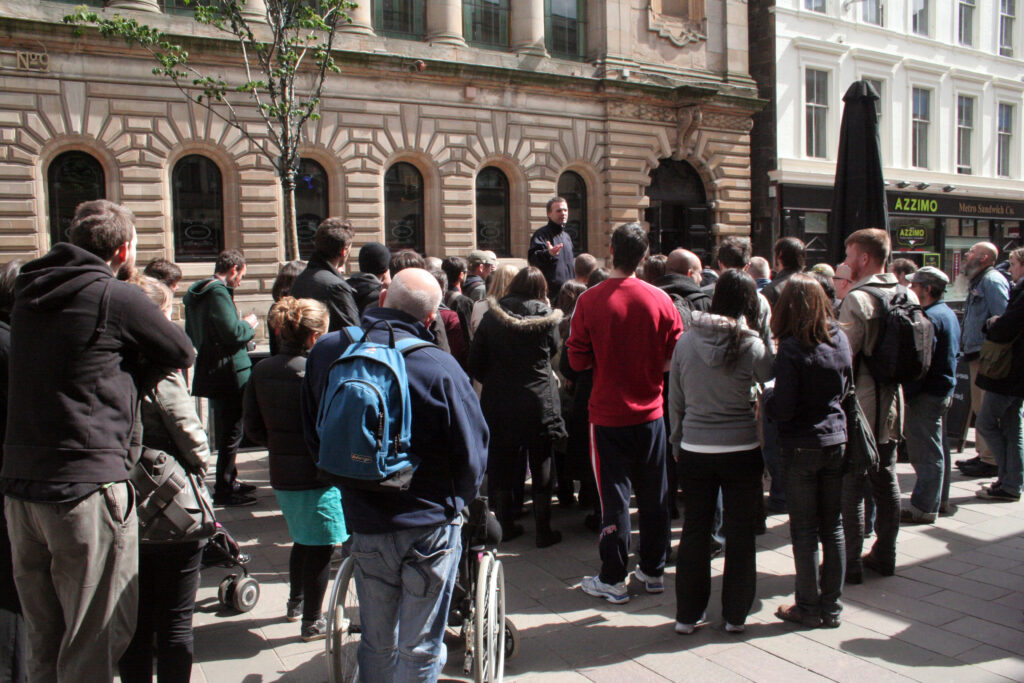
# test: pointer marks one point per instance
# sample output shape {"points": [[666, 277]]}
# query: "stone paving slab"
{"points": [[954, 611]]}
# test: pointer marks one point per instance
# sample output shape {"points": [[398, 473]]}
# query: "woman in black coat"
{"points": [[511, 357]]}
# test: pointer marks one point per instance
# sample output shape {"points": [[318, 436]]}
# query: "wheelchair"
{"points": [[477, 609]]}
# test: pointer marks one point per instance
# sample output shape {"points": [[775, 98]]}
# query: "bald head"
{"points": [[684, 262], [986, 250], [416, 292]]}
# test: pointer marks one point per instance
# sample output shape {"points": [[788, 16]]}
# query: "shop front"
{"points": [[933, 230]]}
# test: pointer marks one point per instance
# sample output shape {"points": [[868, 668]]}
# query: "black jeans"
{"points": [[504, 474], [631, 458], [814, 484], [738, 474], [227, 413], [168, 580], [308, 569], [885, 492]]}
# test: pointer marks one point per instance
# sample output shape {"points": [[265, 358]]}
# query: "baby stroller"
{"points": [[477, 609], [240, 592]]}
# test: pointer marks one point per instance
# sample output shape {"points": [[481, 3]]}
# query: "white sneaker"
{"points": [[652, 584], [735, 628], [687, 629], [613, 593]]}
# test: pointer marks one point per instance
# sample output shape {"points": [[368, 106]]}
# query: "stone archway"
{"points": [[678, 213]]}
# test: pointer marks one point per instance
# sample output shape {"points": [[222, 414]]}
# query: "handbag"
{"points": [[173, 504], [215, 374], [996, 360], [861, 448]]}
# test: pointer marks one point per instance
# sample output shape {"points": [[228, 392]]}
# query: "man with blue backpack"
{"points": [[396, 424]]}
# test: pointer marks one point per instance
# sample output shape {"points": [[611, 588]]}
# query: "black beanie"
{"points": [[374, 258]]}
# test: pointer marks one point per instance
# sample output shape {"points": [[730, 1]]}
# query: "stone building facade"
{"points": [[650, 115]]}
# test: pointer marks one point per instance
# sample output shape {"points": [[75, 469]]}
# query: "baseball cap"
{"points": [[477, 257]]}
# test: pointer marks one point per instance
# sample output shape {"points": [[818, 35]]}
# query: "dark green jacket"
{"points": [[213, 324]]}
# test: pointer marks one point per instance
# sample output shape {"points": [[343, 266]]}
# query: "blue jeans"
{"points": [[814, 484], [926, 444], [404, 580], [999, 422]]}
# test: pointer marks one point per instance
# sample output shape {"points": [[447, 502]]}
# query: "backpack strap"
{"points": [[885, 298], [353, 333], [410, 344]]}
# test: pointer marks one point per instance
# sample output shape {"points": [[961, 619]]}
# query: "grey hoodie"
{"points": [[709, 400]]}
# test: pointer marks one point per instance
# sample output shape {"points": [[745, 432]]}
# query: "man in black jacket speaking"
{"points": [[322, 279], [79, 339], [551, 248]]}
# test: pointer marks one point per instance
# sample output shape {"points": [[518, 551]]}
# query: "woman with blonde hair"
{"points": [[497, 288], [273, 418], [168, 572]]}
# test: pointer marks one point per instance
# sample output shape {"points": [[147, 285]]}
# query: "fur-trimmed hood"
{"points": [[525, 315]]}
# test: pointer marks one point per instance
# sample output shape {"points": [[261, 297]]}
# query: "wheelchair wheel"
{"points": [[489, 620], [343, 626]]}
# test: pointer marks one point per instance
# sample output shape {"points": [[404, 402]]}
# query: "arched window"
{"points": [[198, 205], [485, 22], [311, 203], [492, 215], [73, 178], [399, 18], [403, 207], [572, 188]]}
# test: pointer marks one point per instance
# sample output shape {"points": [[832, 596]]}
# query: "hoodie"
{"points": [[709, 398], [79, 339]]}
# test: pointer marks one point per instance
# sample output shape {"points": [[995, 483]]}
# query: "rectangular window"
{"points": [[872, 12], [815, 5], [964, 129], [921, 119], [877, 85], [816, 84], [399, 18], [566, 28], [1007, 13], [966, 22], [485, 22], [1005, 143], [919, 17]]}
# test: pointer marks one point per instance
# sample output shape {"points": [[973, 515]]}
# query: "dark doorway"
{"points": [[678, 213]]}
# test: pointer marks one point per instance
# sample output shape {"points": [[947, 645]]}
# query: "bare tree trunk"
{"points": [[291, 235]]}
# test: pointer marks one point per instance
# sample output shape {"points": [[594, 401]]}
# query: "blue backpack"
{"points": [[365, 420]]}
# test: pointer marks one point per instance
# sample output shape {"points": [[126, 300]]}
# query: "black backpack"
{"points": [[686, 306], [906, 339]]}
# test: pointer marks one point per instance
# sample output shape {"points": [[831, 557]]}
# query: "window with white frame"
{"points": [[816, 85], [1005, 142], [964, 131], [877, 84], [1007, 13], [815, 5], [919, 16], [965, 17], [922, 105], [871, 12]]}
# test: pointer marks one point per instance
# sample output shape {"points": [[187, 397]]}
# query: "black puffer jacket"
{"points": [[511, 357], [1008, 328], [273, 418]]}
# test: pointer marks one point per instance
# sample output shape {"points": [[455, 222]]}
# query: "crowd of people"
{"points": [[693, 387]]}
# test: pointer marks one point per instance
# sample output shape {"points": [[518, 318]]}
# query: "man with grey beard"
{"points": [[986, 297]]}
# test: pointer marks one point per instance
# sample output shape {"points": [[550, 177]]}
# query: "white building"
{"points": [[950, 74]]}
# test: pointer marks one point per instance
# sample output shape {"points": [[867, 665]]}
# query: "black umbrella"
{"points": [[858, 196]]}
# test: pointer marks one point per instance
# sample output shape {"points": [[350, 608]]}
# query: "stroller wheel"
{"points": [[511, 639], [246, 594], [226, 590]]}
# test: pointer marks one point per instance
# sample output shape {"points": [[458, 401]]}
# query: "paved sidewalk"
{"points": [[952, 612]]}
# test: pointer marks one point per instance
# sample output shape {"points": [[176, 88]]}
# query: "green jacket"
{"points": [[218, 333]]}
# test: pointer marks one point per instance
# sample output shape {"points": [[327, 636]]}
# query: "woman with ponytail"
{"points": [[273, 418]]}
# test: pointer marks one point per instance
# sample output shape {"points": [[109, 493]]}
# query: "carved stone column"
{"points": [[362, 18], [139, 5], [526, 27], [444, 22], [255, 10]]}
